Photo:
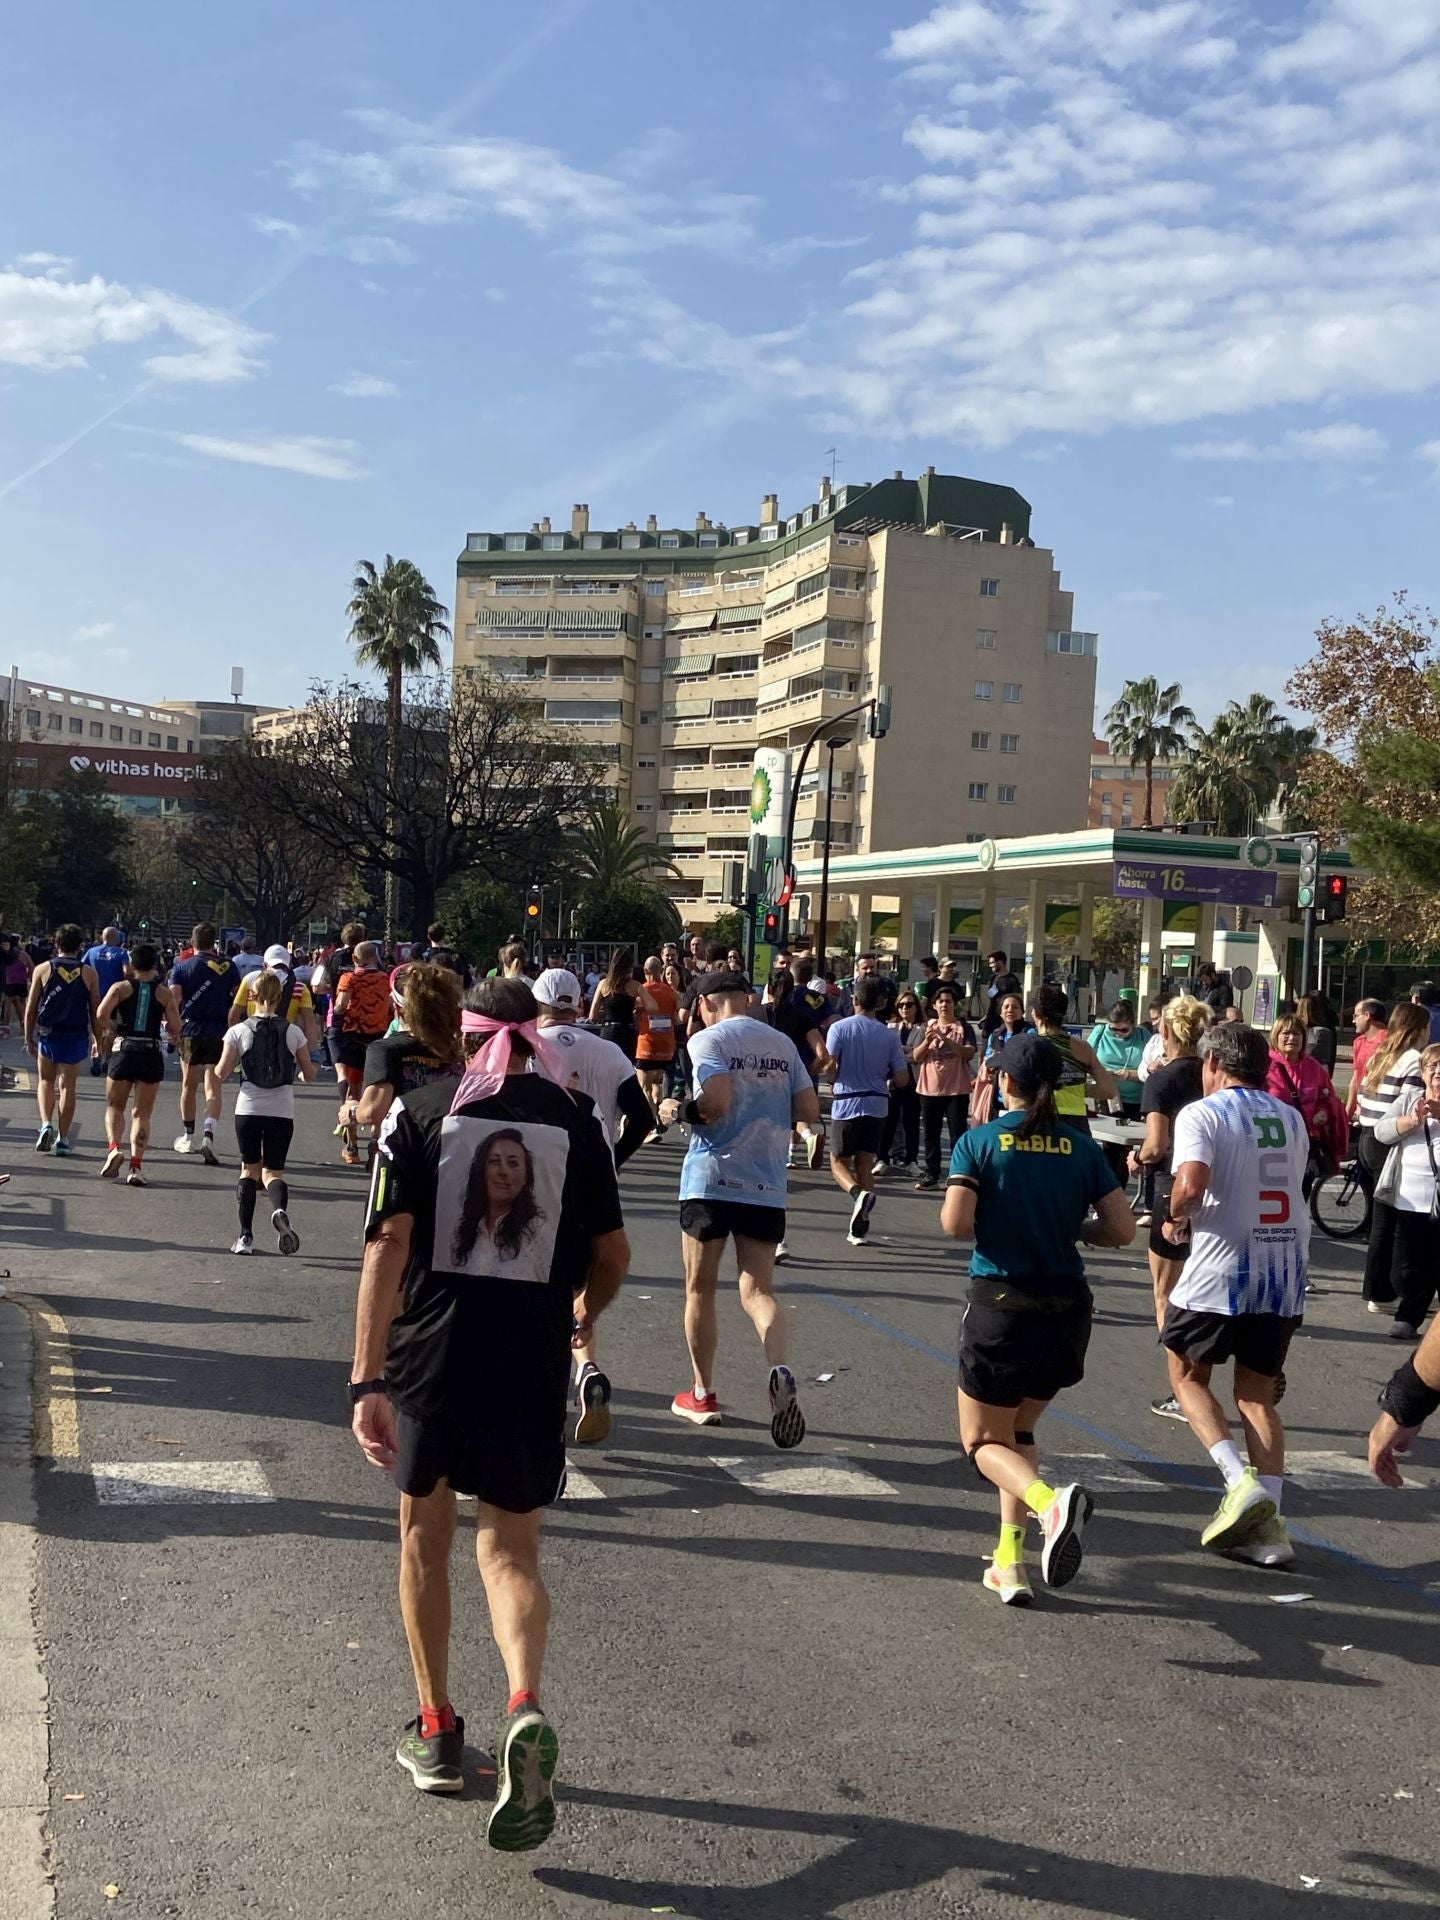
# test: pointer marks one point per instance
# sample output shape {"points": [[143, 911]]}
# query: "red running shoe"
{"points": [[703, 1409]]}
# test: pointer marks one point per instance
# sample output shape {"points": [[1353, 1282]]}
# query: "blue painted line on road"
{"points": [[1185, 1476]]}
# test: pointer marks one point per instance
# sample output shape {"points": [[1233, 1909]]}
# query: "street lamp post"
{"points": [[832, 747], [877, 710]]}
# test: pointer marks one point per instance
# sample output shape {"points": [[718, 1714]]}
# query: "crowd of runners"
{"points": [[497, 1114]]}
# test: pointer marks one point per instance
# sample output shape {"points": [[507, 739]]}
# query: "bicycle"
{"points": [[1341, 1203]]}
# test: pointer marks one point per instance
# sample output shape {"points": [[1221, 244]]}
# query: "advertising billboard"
{"points": [[126, 772]]}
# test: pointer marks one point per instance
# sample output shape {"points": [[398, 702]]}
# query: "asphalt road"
{"points": [[783, 1698]]}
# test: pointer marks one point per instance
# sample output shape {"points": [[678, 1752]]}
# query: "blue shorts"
{"points": [[65, 1049]]}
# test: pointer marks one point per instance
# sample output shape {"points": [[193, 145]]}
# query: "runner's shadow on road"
{"points": [[83, 1306], [868, 1858]]}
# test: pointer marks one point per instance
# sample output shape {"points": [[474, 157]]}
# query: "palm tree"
{"points": [[1242, 767], [396, 625], [1145, 725], [608, 848]]}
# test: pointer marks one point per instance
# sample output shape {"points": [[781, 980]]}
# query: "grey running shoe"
{"points": [[787, 1422], [435, 1765], [524, 1812]]}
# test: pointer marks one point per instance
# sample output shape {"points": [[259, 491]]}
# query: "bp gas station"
{"points": [[1238, 902]]}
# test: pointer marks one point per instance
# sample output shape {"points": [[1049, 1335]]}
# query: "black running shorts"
{"points": [[1259, 1341], [354, 1047], [142, 1062], [718, 1219], [202, 1049], [515, 1465], [860, 1135], [263, 1141], [1009, 1357]]}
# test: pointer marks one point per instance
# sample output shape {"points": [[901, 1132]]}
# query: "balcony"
{"points": [[695, 779]]}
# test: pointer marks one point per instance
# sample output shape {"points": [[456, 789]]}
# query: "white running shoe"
{"points": [[245, 1244], [1011, 1583], [1379, 1306], [184, 1143], [782, 1253], [1268, 1546], [815, 1150], [1062, 1524], [113, 1159], [135, 1178], [860, 1212], [207, 1151]]}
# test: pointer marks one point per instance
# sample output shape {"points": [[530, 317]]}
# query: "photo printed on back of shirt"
{"points": [[497, 1204]]}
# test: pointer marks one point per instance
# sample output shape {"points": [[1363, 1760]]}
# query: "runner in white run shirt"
{"points": [[1239, 1159], [599, 1068]]}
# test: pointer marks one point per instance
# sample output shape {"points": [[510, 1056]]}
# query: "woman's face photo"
{"points": [[504, 1175]]}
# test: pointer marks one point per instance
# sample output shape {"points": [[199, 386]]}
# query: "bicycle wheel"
{"points": [[1339, 1204]]}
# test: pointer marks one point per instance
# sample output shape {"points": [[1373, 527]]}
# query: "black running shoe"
{"points": [[592, 1397], [787, 1422], [1168, 1407], [524, 1812], [289, 1238], [435, 1765]]}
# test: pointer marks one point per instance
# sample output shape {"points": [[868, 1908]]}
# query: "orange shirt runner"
{"points": [[655, 1042]]}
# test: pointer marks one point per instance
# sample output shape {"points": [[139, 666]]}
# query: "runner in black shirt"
{"points": [[426, 1048], [494, 1239]]}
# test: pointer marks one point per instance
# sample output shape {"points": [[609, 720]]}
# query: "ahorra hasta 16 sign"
{"points": [[1185, 880]]}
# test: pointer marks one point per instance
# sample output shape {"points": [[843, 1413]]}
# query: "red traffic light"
{"points": [[1335, 886]]}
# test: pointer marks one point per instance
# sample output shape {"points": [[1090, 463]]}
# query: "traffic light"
{"points": [[770, 927], [1333, 894], [1309, 871], [534, 899], [880, 712]]}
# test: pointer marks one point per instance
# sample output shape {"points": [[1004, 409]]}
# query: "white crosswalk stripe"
{"points": [[579, 1486], [1096, 1470], [821, 1476], [176, 1483]]}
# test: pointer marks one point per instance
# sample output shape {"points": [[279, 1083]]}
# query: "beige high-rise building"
{"points": [[679, 651]]}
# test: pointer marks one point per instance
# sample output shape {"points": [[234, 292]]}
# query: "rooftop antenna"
{"points": [[237, 683], [834, 462]]}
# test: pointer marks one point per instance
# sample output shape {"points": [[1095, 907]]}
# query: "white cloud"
{"points": [[274, 229], [49, 322], [1221, 500], [1430, 451], [1355, 36], [49, 263], [316, 458], [1341, 442], [365, 386], [375, 250], [97, 630]]}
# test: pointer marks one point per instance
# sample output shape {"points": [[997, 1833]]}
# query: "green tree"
{"points": [[1145, 725], [630, 910], [480, 915], [79, 847], [1235, 771], [396, 626], [606, 849], [1115, 938], [727, 930]]}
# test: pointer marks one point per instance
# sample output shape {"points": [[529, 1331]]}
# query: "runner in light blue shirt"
{"points": [[866, 1062]]}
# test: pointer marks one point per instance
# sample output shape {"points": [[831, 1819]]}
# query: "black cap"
{"points": [[724, 981], [1031, 1061]]}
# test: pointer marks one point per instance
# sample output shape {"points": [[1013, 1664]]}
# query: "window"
{"points": [[985, 639], [708, 540], [655, 588], [134, 735], [189, 746], [1105, 809], [644, 761], [979, 743], [152, 739], [77, 725], [648, 716], [989, 589], [734, 709], [769, 533], [53, 723], [516, 542], [1009, 743], [670, 540], [973, 837], [644, 806], [552, 542], [979, 790], [172, 742], [32, 718], [984, 689], [629, 541], [650, 674], [1012, 692], [869, 629], [117, 736], [1127, 808], [477, 542], [1006, 796], [1083, 643], [592, 542], [97, 731]]}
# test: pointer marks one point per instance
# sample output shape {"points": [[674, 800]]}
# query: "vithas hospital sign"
{"points": [[179, 767], [146, 775]]}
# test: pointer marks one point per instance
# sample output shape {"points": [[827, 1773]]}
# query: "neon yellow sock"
{"points": [[1012, 1541], [1037, 1496]]}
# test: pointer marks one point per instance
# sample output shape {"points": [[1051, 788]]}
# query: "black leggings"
{"points": [[952, 1109], [1415, 1269], [902, 1122]]}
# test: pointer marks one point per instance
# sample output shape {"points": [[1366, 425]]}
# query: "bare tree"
{"points": [[247, 840], [479, 784]]}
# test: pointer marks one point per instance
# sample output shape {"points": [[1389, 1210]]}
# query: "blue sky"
{"points": [[284, 289]]}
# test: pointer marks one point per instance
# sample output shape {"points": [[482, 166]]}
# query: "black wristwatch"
{"points": [[360, 1388]]}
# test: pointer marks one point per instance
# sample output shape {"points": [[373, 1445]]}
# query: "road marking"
{"points": [[579, 1486], [1097, 1470], [176, 1483], [822, 1476], [1331, 1472], [57, 1426]]}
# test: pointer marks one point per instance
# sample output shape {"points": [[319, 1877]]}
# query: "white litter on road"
{"points": [[180, 1483], [822, 1476]]}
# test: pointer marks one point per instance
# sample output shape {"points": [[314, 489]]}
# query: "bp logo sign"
{"points": [[760, 796], [1259, 853]]}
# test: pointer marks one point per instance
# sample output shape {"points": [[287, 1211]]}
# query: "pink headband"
{"points": [[485, 1073]]}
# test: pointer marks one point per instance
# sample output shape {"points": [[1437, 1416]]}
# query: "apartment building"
{"points": [[678, 651], [1117, 790]]}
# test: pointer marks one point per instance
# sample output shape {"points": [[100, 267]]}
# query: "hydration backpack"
{"points": [[268, 1063]]}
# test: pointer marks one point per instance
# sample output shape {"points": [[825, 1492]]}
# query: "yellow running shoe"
{"points": [[1244, 1510]]}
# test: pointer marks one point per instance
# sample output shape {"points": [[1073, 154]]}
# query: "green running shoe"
{"points": [[435, 1765], [1268, 1546], [1244, 1510], [524, 1812]]}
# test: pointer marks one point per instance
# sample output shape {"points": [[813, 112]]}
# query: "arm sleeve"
{"points": [[1194, 1135], [377, 1066], [635, 1111]]}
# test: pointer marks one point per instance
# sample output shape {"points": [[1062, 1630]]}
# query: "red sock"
{"points": [[134, 1159], [435, 1720], [526, 1699]]}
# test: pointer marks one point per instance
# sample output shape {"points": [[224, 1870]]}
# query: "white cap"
{"points": [[557, 987], [278, 956]]}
